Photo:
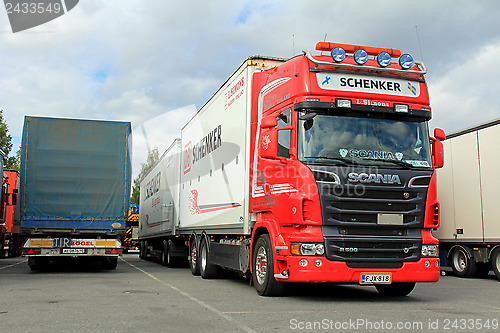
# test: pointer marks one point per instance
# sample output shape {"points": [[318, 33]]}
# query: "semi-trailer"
{"points": [[469, 236], [74, 189], [319, 168], [3, 201], [13, 239]]}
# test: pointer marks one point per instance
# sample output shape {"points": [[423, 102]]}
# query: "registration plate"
{"points": [[375, 278], [73, 251]]}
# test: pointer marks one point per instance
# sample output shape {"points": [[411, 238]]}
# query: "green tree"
{"points": [[153, 156], [12, 162]]}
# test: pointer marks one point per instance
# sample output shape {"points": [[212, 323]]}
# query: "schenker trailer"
{"points": [[74, 189], [319, 168], [469, 236]]}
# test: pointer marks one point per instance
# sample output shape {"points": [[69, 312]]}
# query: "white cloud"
{"points": [[466, 94], [134, 60], [159, 132]]}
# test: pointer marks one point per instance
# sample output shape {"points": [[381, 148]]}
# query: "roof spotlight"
{"points": [[338, 54], [384, 59], [360, 56], [406, 61]]}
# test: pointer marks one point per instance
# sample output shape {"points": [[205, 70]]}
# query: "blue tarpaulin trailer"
{"points": [[74, 187]]}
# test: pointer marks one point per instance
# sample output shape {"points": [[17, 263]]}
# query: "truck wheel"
{"points": [[461, 264], [194, 264], [495, 262], [207, 269], [263, 269], [396, 289]]}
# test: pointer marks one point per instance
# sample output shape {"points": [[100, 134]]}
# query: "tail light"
{"points": [[28, 252], [114, 251]]}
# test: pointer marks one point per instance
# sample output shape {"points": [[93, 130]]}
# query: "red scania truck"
{"points": [[319, 168]]}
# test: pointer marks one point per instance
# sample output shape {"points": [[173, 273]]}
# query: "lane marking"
{"points": [[196, 300], [17, 263]]}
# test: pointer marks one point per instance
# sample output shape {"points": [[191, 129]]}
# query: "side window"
{"points": [[285, 118], [284, 135]]}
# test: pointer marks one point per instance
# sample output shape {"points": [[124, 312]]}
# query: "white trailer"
{"points": [[469, 234], [159, 208], [201, 182]]}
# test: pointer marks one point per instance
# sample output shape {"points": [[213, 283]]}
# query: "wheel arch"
{"points": [[466, 249], [265, 227]]}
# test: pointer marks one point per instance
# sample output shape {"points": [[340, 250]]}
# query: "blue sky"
{"points": [[136, 60]]}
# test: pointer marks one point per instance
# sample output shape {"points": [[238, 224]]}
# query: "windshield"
{"points": [[366, 141]]}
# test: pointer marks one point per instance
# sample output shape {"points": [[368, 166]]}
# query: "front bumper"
{"points": [[336, 271]]}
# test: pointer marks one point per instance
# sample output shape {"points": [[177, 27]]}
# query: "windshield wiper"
{"points": [[343, 160], [400, 163]]}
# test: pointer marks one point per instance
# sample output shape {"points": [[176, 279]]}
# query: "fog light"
{"points": [[338, 54], [284, 272], [406, 61], [360, 56], [303, 262], [318, 263], [427, 263], [384, 59], [437, 263]]}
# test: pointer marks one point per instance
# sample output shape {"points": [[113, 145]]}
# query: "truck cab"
{"points": [[344, 165]]}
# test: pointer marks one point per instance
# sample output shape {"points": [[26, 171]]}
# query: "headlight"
{"points": [[430, 250], [307, 249]]}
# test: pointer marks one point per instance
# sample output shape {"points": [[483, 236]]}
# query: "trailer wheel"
{"points": [[164, 259], [396, 289], [495, 262], [142, 251], [263, 269], [37, 263], [194, 264], [462, 265], [207, 269], [110, 263]]}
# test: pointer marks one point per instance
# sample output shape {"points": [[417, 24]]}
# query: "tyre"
{"points": [[207, 269], [194, 264], [146, 252], [164, 259], [396, 289], [110, 263], [462, 265], [141, 251], [495, 262], [36, 264], [263, 269]]}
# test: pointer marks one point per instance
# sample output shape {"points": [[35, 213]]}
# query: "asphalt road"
{"points": [[143, 296]]}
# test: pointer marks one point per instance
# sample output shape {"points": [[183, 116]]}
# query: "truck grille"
{"points": [[347, 205]]}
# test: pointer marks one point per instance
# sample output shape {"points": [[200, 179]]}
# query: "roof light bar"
{"points": [[349, 48]]}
